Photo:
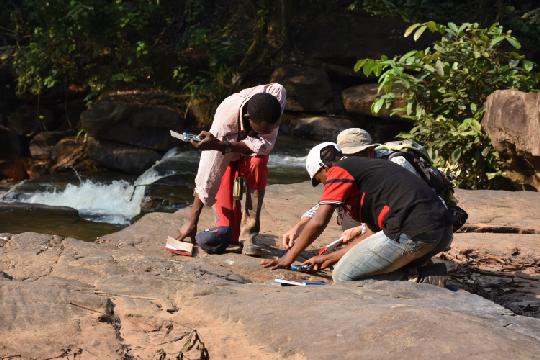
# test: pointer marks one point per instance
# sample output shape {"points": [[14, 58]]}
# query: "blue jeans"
{"points": [[379, 257]]}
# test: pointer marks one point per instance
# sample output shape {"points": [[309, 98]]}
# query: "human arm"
{"points": [[290, 236], [210, 142], [320, 262], [189, 228], [311, 231]]}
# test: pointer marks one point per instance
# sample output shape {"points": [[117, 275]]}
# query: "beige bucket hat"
{"points": [[354, 140]]}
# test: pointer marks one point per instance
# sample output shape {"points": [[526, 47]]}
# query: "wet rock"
{"points": [[512, 121], [323, 128], [129, 159], [308, 88], [69, 153], [134, 118], [42, 144]]}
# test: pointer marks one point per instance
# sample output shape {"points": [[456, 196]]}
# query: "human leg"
{"points": [[228, 210], [255, 171], [378, 255]]}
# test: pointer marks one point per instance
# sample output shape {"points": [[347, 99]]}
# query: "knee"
{"points": [[339, 275]]}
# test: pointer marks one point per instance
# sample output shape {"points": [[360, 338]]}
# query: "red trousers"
{"points": [[229, 211]]}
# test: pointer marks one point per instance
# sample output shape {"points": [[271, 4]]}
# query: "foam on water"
{"points": [[120, 201], [116, 203], [284, 160]]}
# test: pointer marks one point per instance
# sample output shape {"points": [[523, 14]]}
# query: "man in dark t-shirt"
{"points": [[409, 221]]}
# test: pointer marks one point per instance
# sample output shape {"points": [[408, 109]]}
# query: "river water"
{"points": [[108, 201]]}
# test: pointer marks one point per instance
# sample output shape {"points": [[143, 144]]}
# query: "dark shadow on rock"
{"points": [[515, 285]]}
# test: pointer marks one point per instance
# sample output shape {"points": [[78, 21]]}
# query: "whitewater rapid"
{"points": [[119, 201]]}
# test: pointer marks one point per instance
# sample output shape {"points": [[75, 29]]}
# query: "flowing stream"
{"points": [[107, 202]]}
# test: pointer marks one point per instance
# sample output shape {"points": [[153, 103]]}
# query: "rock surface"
{"points": [[129, 159], [134, 118], [308, 88], [124, 297], [323, 128], [512, 121], [42, 144]]}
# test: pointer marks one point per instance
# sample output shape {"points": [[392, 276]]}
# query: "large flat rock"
{"points": [[377, 320], [125, 297], [518, 211]]}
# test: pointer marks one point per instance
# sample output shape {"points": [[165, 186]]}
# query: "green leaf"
{"points": [[359, 64], [377, 105], [419, 32], [432, 26], [514, 42], [473, 107], [366, 69], [410, 29], [528, 65], [496, 40]]}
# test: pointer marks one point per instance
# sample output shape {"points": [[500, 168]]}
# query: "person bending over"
{"points": [[234, 158], [409, 221], [352, 142]]}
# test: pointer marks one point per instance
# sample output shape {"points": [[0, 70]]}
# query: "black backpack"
{"points": [[418, 157]]}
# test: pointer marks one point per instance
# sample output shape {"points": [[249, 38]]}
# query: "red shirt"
{"points": [[340, 189]]}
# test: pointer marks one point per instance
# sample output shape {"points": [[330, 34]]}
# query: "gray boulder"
{"points": [[358, 100], [128, 159], [136, 122], [308, 88], [323, 128]]}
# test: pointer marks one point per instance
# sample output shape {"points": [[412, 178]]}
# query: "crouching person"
{"points": [[410, 223]]}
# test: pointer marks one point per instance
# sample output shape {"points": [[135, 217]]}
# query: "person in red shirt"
{"points": [[409, 221]]}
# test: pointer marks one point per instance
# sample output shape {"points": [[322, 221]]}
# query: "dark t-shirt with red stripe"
{"points": [[385, 196]]}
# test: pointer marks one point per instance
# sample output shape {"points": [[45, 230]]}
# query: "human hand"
{"points": [[208, 141], [320, 262], [289, 237], [274, 264], [187, 230], [350, 234]]}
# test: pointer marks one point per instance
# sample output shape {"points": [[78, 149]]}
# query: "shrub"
{"points": [[443, 88]]}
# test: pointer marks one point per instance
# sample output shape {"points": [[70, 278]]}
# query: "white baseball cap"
{"points": [[314, 162], [354, 140]]}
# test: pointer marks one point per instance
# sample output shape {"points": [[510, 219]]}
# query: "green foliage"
{"points": [[95, 44], [443, 88], [100, 45]]}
